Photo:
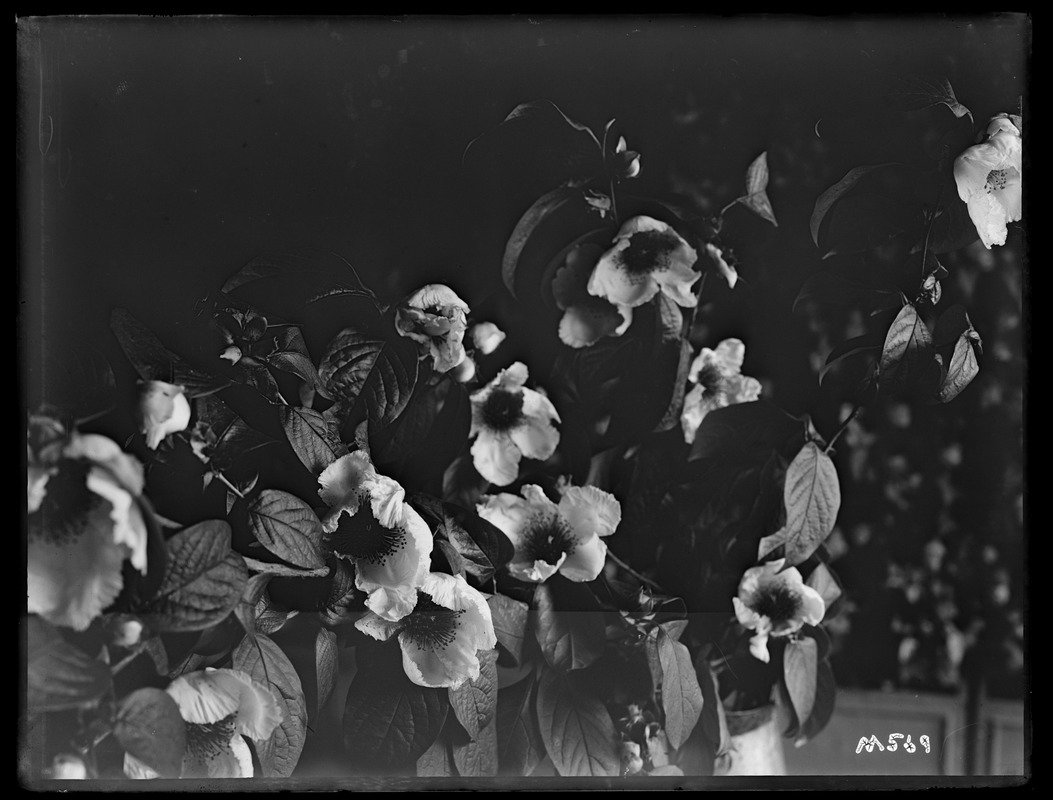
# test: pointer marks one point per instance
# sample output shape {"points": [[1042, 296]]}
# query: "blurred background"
{"points": [[157, 156]]}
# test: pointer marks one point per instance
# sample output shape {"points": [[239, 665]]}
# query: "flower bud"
{"points": [[487, 337], [128, 633], [163, 409], [68, 767]]}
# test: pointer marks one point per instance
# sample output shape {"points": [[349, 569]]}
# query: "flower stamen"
{"points": [[362, 537], [996, 180], [502, 410], [67, 507], [778, 603], [645, 251], [206, 740], [431, 626], [547, 537]]}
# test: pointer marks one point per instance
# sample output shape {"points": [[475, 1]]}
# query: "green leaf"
{"points": [[962, 368], [907, 345], [828, 198], [266, 663], [359, 368], [287, 527], [436, 762], [823, 581], [519, 744], [510, 624], [812, 497], [475, 701], [484, 547], [682, 699], [388, 720], [155, 362], [799, 671], [476, 757], [150, 727], [575, 727], [59, 675], [204, 582], [315, 443], [326, 664], [569, 624], [756, 198]]}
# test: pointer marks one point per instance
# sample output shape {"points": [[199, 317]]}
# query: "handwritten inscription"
{"points": [[895, 742]]}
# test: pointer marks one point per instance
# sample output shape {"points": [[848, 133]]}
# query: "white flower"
{"points": [[465, 371], [550, 538], [163, 409], [487, 337], [719, 382], [220, 707], [510, 421], [85, 521], [370, 524], [648, 257], [435, 316], [586, 319], [716, 255], [442, 636], [67, 767], [988, 176], [771, 602]]}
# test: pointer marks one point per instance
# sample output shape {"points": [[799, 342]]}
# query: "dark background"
{"points": [[157, 156]]}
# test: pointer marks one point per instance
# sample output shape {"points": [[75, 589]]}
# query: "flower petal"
{"points": [[202, 698], [678, 277], [343, 483], [536, 436], [137, 770], [258, 711], [759, 647], [486, 337], [731, 353], [376, 626], [612, 280], [697, 403], [536, 571], [590, 511], [423, 667], [813, 605], [585, 323], [163, 409], [392, 581], [587, 560], [107, 453], [129, 527], [508, 512], [496, 457]]}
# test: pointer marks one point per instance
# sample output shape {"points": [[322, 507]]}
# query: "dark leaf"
{"points": [[150, 727], [823, 581], [510, 624], [388, 720], [828, 287], [60, 675], [519, 744], [823, 706], [476, 757], [756, 198], [314, 441], [812, 497], [575, 727], [828, 198], [204, 582], [380, 373], [437, 762], [799, 670], [475, 701], [961, 369], [484, 547], [913, 94], [266, 663], [287, 527], [682, 699], [951, 324], [569, 624], [856, 346], [745, 431], [155, 362], [712, 721], [77, 380]]}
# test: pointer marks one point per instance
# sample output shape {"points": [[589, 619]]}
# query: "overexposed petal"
{"points": [[496, 457], [590, 511], [388, 602], [376, 626], [343, 480], [678, 278], [386, 498], [759, 647], [743, 389], [486, 337], [203, 699], [731, 353], [586, 562], [137, 770], [536, 436], [107, 453], [536, 571], [508, 512], [129, 527], [746, 616], [258, 712], [697, 403], [989, 218], [511, 378], [612, 280], [813, 605]]}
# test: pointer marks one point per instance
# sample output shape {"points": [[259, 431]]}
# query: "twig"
{"points": [[634, 573], [844, 426], [228, 484]]}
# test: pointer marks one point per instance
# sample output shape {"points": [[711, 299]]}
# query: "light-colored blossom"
{"points": [[85, 521], [465, 371], [370, 524], [486, 337], [67, 767], [718, 382], [773, 601], [510, 421], [442, 636], [716, 255], [989, 180], [566, 537], [163, 409], [586, 319], [648, 257], [436, 317], [220, 707]]}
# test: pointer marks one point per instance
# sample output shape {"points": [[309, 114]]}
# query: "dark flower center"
{"points": [[502, 410], [997, 179], [777, 603], [68, 505], [548, 537], [206, 740], [362, 537], [645, 250], [710, 378], [431, 626]]}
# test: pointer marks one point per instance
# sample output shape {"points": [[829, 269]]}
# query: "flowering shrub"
{"points": [[581, 539]]}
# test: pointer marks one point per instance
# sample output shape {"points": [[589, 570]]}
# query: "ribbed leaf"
{"points": [[577, 731], [287, 527]]}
